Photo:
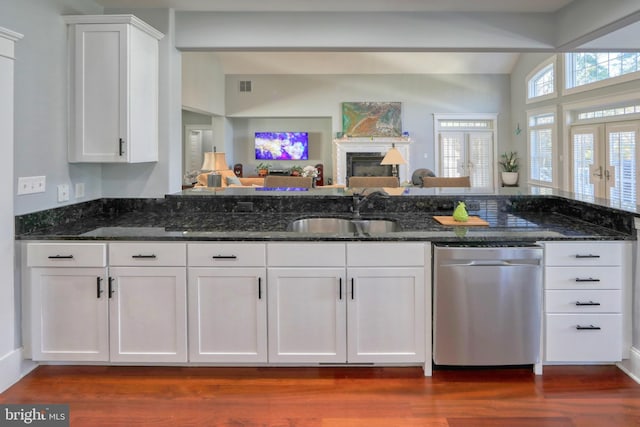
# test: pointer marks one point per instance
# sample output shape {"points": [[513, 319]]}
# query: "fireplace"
{"points": [[368, 153], [366, 164]]}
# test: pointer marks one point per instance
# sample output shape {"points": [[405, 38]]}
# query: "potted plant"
{"points": [[263, 168], [295, 170], [510, 166]]}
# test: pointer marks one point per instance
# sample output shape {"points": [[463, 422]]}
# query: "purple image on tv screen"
{"points": [[282, 145]]}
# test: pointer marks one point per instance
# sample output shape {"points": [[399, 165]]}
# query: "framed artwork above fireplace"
{"points": [[372, 119]]}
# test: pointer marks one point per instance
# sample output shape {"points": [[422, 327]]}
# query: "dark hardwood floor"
{"points": [[594, 396]]}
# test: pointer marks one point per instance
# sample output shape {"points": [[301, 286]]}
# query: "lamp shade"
{"points": [[214, 161], [393, 157]]}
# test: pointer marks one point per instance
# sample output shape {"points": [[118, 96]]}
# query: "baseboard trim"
{"points": [[13, 367], [631, 366]]}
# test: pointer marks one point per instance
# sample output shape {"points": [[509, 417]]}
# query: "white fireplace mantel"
{"points": [[381, 145]]}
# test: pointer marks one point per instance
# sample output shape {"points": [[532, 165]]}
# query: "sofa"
{"points": [[229, 179]]}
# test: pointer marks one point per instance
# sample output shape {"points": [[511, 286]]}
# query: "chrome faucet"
{"points": [[359, 199]]}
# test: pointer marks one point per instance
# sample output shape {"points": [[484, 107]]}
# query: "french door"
{"points": [[604, 162], [467, 154]]}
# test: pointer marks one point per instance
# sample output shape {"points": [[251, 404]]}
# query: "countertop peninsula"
{"points": [[252, 214]]}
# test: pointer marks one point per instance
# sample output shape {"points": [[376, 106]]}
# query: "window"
{"points": [[608, 112], [541, 147], [587, 68], [466, 148], [541, 82]]}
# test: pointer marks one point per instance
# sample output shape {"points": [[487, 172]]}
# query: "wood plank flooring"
{"points": [[576, 396]]}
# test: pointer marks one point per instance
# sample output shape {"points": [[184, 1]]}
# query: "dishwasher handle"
{"points": [[492, 263]]}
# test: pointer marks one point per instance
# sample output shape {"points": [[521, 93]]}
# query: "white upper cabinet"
{"points": [[113, 62]]}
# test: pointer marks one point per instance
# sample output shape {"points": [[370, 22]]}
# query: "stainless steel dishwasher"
{"points": [[487, 305]]}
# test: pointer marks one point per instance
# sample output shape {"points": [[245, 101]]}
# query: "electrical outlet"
{"points": [[31, 184], [79, 190], [63, 192]]}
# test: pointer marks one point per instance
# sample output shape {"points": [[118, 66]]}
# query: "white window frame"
{"points": [[437, 117], [536, 72], [554, 146], [568, 78]]}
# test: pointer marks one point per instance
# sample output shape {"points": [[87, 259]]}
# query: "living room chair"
{"points": [[273, 181], [374, 181], [459, 181]]}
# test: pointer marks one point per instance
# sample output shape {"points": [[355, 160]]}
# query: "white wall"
{"points": [[202, 83], [421, 95]]}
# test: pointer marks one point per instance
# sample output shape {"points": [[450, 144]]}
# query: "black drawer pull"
{"points": [[99, 287], [120, 147], [140, 256], [60, 257], [587, 256], [259, 287], [579, 304], [224, 257], [588, 328], [111, 290], [340, 288], [589, 279]]}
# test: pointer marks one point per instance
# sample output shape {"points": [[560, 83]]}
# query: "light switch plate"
{"points": [[63, 192], [31, 184], [79, 190]]}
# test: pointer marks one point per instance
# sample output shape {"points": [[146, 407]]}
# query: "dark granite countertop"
{"points": [[241, 216]]}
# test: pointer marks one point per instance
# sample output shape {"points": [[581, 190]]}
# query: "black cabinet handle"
{"points": [[340, 287], [353, 292], [121, 149], [589, 279], [140, 256], [224, 257], [259, 287], [579, 304], [60, 257], [587, 256], [588, 328], [111, 287], [98, 287]]}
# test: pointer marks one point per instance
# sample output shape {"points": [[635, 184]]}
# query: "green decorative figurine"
{"points": [[460, 214]]}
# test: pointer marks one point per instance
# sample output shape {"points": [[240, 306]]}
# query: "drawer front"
{"points": [[66, 255], [584, 301], [227, 254], [385, 254], [565, 342], [583, 253], [306, 254], [583, 278], [147, 254]]}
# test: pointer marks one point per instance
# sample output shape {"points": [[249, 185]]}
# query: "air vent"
{"points": [[245, 85]]}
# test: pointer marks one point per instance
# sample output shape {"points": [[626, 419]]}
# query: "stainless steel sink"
{"points": [[343, 226]]}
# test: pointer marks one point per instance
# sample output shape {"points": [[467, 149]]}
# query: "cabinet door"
{"points": [[227, 315], [114, 102], [386, 309], [148, 314], [70, 316], [307, 315]]}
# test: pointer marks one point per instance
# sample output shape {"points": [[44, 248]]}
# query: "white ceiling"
{"points": [[301, 62], [531, 6]]}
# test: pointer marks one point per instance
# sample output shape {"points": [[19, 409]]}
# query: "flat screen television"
{"points": [[282, 145]]}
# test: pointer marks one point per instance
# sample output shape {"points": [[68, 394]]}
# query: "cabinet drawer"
{"points": [[583, 278], [147, 254], [566, 342], [583, 253], [307, 254], [584, 301], [66, 255], [385, 254], [226, 254]]}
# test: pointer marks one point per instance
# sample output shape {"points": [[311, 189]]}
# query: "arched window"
{"points": [[541, 83]]}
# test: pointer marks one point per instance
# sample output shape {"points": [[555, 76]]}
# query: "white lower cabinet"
{"points": [[331, 312], [134, 311], [148, 302], [227, 303], [584, 286], [68, 309]]}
